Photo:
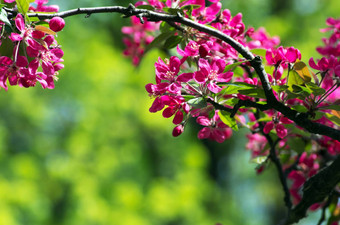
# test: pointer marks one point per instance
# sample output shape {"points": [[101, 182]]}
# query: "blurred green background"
{"points": [[90, 153]]}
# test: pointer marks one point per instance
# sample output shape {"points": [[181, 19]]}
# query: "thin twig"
{"points": [[248, 103], [293, 166], [273, 157], [219, 106]]}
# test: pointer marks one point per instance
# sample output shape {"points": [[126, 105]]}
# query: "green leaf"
{"points": [[259, 160], [34, 19], [334, 117], [284, 157], [259, 52], [301, 90], [165, 27], [302, 70], [318, 115], [279, 88], [265, 119], [334, 107], [188, 97], [232, 88], [3, 17], [172, 41], [254, 92], [316, 90], [190, 7], [41, 23], [198, 102], [291, 95], [227, 120], [238, 72], [172, 11], [300, 108], [299, 75], [296, 144], [231, 67], [246, 85], [294, 129], [159, 40], [148, 7], [23, 6], [294, 79]]}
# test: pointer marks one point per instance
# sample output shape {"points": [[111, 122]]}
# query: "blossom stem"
{"points": [[16, 52], [329, 91]]}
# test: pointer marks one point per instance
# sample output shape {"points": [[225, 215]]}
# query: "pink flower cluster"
{"points": [[203, 75], [36, 55], [211, 56]]}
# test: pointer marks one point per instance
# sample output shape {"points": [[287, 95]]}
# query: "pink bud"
{"points": [[57, 24], [178, 130], [203, 50]]}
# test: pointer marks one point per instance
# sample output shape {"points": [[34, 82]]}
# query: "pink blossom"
{"points": [[330, 65], [214, 128], [194, 48], [257, 143], [168, 71], [176, 106], [261, 39], [42, 7], [282, 56], [277, 124], [212, 73], [232, 26], [137, 38], [207, 14]]}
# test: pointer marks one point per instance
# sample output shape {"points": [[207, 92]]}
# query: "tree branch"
{"points": [[248, 103], [219, 106], [277, 163], [255, 62], [316, 189], [318, 186]]}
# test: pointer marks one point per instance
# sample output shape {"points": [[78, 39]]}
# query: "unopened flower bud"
{"points": [[203, 50], [57, 24], [178, 130]]}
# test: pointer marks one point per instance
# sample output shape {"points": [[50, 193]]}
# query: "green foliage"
{"points": [[226, 119], [23, 6], [198, 102], [3, 17]]}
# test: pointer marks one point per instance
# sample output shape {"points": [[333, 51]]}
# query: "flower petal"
{"points": [[185, 77]]}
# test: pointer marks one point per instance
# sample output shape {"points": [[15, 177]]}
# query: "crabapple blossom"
{"points": [[214, 128], [206, 78], [44, 54]]}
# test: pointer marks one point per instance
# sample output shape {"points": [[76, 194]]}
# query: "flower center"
{"points": [[170, 75], [212, 75]]}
